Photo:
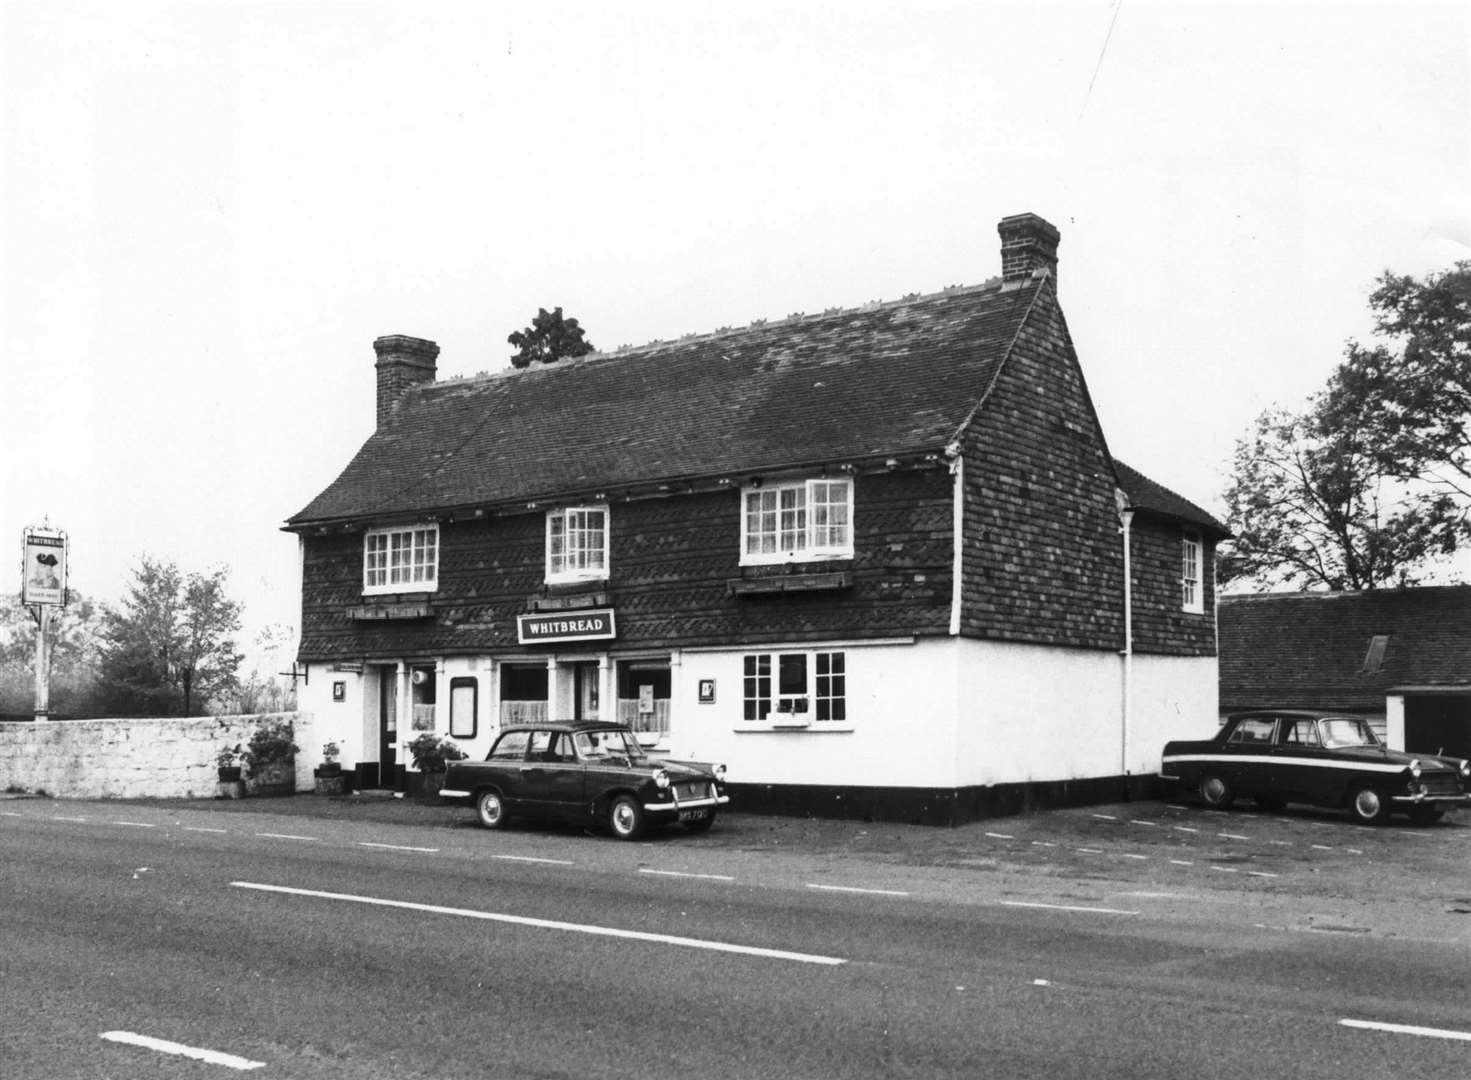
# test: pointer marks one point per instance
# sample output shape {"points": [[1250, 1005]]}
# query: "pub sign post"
{"points": [[43, 569]]}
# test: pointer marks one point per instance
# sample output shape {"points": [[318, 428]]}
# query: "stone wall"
{"points": [[126, 759]]}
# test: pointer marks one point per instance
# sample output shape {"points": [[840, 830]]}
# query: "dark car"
{"points": [[1278, 756], [585, 772]]}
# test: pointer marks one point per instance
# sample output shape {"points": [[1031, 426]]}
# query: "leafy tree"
{"points": [[1311, 507], [169, 646], [1410, 396], [549, 337], [74, 681]]}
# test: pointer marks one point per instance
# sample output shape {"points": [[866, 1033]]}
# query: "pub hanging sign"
{"points": [[589, 624]]}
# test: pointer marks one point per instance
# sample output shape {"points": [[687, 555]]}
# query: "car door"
{"points": [[551, 778], [1298, 771], [1247, 755]]}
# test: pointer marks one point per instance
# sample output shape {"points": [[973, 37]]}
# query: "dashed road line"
{"points": [[1089, 851], [58, 817], [398, 847], [856, 889], [1232, 836], [164, 1046], [1067, 907], [1151, 824], [1000, 836], [551, 924], [1184, 828], [1407, 1029], [137, 824], [201, 828], [1227, 869], [535, 859], [684, 874], [283, 836]]}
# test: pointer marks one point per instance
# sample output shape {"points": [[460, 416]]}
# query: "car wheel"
{"points": [[489, 809], [1215, 792], [701, 825], [1369, 805], [1426, 815], [626, 818]]}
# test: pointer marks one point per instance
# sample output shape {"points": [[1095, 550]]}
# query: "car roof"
{"points": [[569, 726], [1308, 714]]}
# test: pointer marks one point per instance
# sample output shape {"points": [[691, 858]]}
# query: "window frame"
{"points": [[387, 552], [824, 690], [1192, 558], [564, 576], [798, 522]]}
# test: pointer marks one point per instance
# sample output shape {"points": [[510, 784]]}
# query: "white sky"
{"points": [[208, 211]]}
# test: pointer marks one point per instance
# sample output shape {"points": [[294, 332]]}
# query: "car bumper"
{"points": [[677, 805], [1421, 798]]}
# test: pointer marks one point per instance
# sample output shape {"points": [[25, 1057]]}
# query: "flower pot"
{"points": [[275, 780], [330, 780], [328, 768], [229, 773]]}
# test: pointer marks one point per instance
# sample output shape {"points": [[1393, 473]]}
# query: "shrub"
{"points": [[430, 752], [272, 743]]}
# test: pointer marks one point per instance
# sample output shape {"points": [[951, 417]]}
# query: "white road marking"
{"points": [[58, 817], [1089, 851], [398, 847], [1043, 843], [1184, 828], [10, 813], [550, 924], [855, 889], [1281, 843], [1321, 847], [1182, 862], [1353, 851], [1105, 817], [681, 873], [136, 824], [1409, 1029], [1126, 855], [1232, 836], [1227, 869], [198, 828], [1000, 836], [283, 836], [1068, 907], [532, 858], [1151, 824], [1259, 873], [163, 1046]]}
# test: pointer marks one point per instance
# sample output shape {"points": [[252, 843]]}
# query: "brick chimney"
{"points": [[1028, 243], [402, 362]]}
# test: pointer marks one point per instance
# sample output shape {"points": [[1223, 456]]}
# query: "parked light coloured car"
{"points": [[1278, 756], [585, 772]]}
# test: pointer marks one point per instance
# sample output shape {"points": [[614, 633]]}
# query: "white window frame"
{"points": [[401, 559], [1192, 573], [562, 560], [796, 710], [797, 521]]}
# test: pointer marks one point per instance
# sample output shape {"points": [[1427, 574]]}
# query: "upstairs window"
{"points": [[793, 522], [577, 544], [401, 560], [1192, 588]]}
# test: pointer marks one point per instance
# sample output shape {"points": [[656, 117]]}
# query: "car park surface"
{"points": [[1281, 756]]}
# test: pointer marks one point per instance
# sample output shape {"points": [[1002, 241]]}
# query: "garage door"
{"points": [[1438, 724]]}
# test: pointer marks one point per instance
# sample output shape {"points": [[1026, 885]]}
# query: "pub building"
{"points": [[879, 561]]}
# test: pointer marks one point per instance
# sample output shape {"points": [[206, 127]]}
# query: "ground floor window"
{"points": [[799, 685], [644, 691], [523, 693]]}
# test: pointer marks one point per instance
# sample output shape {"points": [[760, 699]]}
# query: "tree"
{"points": [[1311, 506], [74, 680], [169, 645], [549, 338], [1410, 397]]}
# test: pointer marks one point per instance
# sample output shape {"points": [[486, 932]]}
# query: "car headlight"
{"points": [[661, 779], [1415, 769], [1466, 769], [720, 772]]}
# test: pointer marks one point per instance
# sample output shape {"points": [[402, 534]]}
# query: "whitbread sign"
{"points": [[43, 570]]}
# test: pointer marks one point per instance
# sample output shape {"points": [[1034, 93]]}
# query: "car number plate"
{"points": [[692, 815]]}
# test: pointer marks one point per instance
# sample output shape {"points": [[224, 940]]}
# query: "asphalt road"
{"points": [[1144, 941]]}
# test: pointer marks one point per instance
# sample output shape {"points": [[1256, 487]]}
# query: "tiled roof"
{"points": [[1144, 494], [897, 377], [1309, 649]]}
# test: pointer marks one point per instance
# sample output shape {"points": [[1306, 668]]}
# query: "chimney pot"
{"points": [[1028, 244], [403, 362]]}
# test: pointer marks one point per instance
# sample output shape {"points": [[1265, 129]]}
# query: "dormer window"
{"points": [[1192, 587], [401, 559], [577, 544], [799, 521]]}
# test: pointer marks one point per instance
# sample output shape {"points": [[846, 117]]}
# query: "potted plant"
{"points": [[430, 752], [270, 758], [227, 766], [329, 777]]}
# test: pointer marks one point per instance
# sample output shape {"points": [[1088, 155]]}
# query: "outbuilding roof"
{"points": [[889, 378], [1343, 650], [1156, 499]]}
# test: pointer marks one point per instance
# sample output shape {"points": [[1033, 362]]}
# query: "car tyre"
{"points": [[702, 825], [1215, 792], [490, 811], [626, 817], [1369, 805]]}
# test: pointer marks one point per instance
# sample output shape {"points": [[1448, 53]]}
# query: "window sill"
{"points": [[816, 727], [784, 583]]}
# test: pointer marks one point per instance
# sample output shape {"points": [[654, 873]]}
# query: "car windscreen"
{"points": [[1341, 731], [610, 747]]}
